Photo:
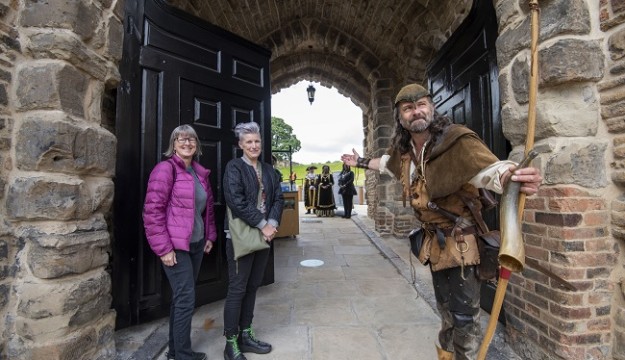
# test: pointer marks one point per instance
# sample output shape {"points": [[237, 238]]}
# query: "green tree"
{"points": [[282, 137]]}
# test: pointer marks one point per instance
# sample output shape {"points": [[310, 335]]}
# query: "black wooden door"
{"points": [[464, 86], [177, 70]]}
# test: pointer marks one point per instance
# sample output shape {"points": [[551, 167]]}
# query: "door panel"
{"points": [[177, 70]]}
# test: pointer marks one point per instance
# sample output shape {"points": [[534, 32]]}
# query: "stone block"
{"points": [[571, 60], [569, 112], [618, 218], [558, 17], [94, 341], [616, 109], [66, 46], [619, 314], [81, 17], [50, 263], [618, 6], [505, 93], [618, 177], [616, 45], [618, 351], [580, 162], [4, 250], [47, 142], [4, 98], [91, 310], [5, 292], [43, 198], [11, 41], [507, 12], [77, 346], [48, 85], [520, 79], [65, 297], [114, 37], [42, 329]]}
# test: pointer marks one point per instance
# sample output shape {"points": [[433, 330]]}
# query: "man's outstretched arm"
{"points": [[355, 160]]}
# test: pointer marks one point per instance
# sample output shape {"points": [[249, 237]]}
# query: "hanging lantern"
{"points": [[311, 93]]}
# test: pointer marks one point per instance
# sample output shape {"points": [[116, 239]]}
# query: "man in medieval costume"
{"points": [[440, 165], [311, 182]]}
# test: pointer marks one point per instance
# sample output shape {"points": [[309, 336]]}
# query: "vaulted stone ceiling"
{"points": [[340, 43]]}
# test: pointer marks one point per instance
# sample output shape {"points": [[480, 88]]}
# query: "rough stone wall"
{"points": [[57, 68], [567, 225]]}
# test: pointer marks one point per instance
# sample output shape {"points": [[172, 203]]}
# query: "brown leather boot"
{"points": [[443, 354]]}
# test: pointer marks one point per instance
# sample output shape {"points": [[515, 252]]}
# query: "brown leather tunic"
{"points": [[456, 157]]}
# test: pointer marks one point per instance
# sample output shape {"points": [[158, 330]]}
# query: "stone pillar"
{"points": [[57, 162], [612, 94], [567, 225], [380, 127]]}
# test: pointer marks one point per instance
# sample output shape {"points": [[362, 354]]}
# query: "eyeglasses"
{"points": [[184, 140]]}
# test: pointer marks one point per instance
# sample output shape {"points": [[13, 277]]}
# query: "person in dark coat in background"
{"points": [[347, 190], [179, 222]]}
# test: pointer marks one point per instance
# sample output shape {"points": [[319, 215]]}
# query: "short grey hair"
{"points": [[246, 128], [188, 131]]}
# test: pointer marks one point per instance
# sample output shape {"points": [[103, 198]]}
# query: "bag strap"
{"points": [[477, 215], [260, 185]]}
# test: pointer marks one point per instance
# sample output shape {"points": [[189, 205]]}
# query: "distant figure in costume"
{"points": [[325, 195], [347, 190], [310, 189]]}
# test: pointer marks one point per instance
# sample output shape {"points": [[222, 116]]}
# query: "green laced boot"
{"points": [[232, 352], [249, 343]]}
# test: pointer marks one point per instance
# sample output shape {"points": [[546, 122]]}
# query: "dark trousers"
{"points": [[348, 204], [182, 277], [458, 302], [245, 276]]}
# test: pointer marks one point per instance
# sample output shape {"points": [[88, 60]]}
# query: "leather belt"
{"points": [[469, 230]]}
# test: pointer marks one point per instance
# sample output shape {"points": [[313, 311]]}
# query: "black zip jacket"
{"points": [[241, 193]]}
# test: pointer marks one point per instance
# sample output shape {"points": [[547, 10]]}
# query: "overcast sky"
{"points": [[329, 127]]}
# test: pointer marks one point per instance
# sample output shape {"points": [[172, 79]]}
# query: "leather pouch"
{"points": [[488, 245]]}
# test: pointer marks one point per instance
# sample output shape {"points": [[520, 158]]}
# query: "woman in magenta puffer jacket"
{"points": [[179, 222]]}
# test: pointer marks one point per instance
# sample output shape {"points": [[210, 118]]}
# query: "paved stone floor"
{"points": [[364, 302]]}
